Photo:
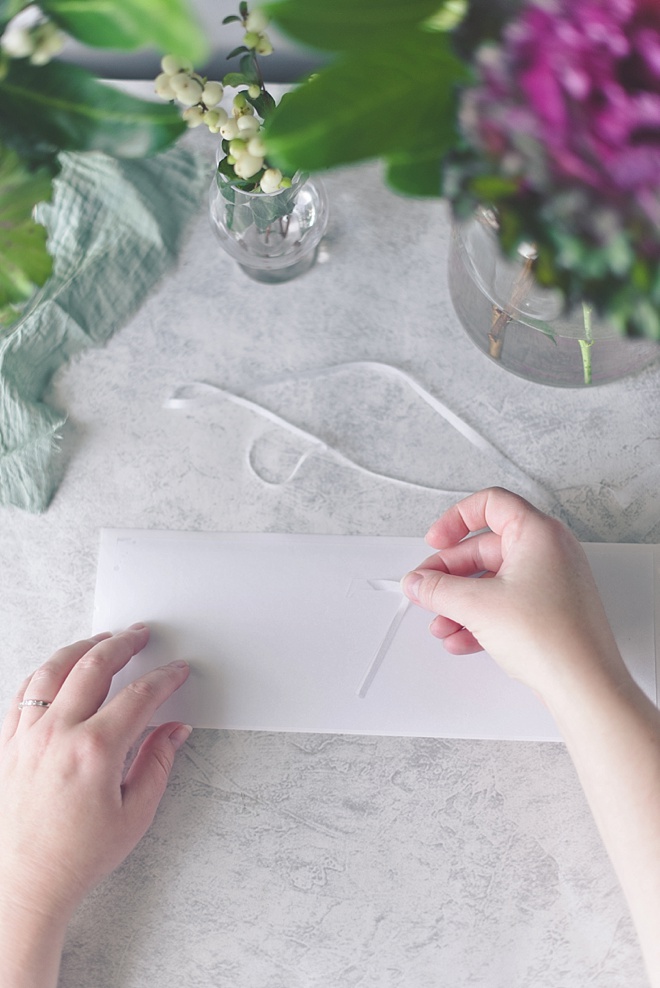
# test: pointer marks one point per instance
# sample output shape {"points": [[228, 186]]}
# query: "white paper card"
{"points": [[281, 629]]}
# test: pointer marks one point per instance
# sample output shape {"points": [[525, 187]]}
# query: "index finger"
{"points": [[494, 508], [88, 681], [480, 554], [125, 717]]}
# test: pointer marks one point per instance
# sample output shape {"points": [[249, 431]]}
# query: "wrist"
{"points": [[589, 687], [31, 942]]}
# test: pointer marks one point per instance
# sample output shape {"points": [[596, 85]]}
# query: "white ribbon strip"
{"points": [[188, 395], [384, 646]]}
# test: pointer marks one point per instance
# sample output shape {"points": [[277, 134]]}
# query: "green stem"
{"points": [[586, 343]]}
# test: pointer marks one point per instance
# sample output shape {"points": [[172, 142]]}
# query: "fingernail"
{"points": [[137, 627], [410, 585], [180, 735], [179, 664]]}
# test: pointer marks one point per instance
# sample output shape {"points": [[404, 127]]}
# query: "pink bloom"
{"points": [[572, 96]]}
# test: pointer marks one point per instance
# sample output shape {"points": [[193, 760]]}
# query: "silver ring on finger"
{"points": [[34, 703]]}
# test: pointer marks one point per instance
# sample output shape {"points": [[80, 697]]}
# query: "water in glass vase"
{"points": [[522, 326], [273, 236]]}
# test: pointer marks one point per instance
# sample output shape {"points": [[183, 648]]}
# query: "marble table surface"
{"points": [[304, 861]]}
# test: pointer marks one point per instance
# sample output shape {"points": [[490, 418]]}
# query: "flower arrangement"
{"points": [[243, 166], [48, 106], [547, 111]]}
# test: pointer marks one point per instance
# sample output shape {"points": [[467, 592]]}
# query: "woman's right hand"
{"points": [[535, 607]]}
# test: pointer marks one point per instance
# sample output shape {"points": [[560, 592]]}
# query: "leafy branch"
{"points": [[49, 106]]}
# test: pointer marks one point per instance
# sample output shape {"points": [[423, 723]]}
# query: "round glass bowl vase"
{"points": [[274, 236], [522, 326]]}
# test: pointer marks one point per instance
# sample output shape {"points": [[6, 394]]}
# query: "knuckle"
{"points": [[163, 762], [143, 689], [93, 747], [44, 673], [431, 587], [20, 692], [93, 660]]}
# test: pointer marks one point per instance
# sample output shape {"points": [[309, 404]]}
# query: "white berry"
{"points": [[264, 46], [229, 130], [237, 148], [171, 64], [212, 93], [18, 43], [163, 86], [270, 180], [247, 166], [215, 119], [257, 147], [188, 91], [247, 125], [257, 21], [194, 116]]}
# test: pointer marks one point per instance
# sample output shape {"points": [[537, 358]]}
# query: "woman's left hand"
{"points": [[68, 816]]}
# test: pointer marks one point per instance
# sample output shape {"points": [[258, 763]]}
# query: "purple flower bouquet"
{"points": [[561, 135], [546, 112]]}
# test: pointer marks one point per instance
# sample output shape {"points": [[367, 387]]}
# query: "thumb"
{"points": [[147, 777], [459, 598]]}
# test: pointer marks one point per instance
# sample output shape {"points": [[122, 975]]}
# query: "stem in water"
{"points": [[501, 317], [586, 343]]}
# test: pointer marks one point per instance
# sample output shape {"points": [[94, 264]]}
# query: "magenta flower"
{"points": [[571, 99]]}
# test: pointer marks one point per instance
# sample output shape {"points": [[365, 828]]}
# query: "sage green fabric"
{"points": [[115, 227]]}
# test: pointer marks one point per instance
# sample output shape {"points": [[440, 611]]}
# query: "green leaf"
{"points": [[24, 260], [239, 218], [62, 106], [337, 25], [128, 24], [264, 104], [241, 50], [248, 67], [541, 325], [230, 19], [234, 79], [266, 209], [416, 175], [378, 101], [490, 188]]}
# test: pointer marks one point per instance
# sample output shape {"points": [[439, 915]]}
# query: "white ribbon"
{"points": [[388, 638], [188, 395]]}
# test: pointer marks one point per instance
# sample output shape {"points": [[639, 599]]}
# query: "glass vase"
{"points": [[274, 236], [522, 326]]}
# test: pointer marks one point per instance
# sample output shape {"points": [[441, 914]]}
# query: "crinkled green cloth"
{"points": [[114, 228]]}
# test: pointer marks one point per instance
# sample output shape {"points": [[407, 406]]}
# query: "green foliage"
{"points": [[234, 79], [392, 92], [45, 109], [258, 209], [264, 104], [343, 25], [63, 107], [622, 285], [267, 209], [397, 103], [130, 24], [24, 261], [416, 174]]}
